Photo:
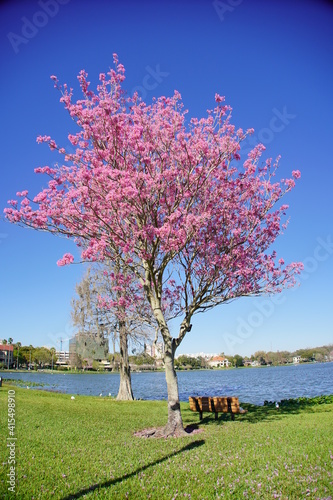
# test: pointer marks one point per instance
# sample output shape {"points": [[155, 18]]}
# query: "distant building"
{"points": [[219, 362], [6, 354], [62, 357], [155, 350], [255, 363], [88, 346], [296, 359], [203, 355], [106, 364]]}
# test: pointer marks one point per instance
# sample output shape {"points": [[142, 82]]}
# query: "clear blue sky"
{"points": [[273, 62]]}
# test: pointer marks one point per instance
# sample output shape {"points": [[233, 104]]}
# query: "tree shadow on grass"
{"points": [[257, 414], [106, 484], [254, 415], [285, 408]]}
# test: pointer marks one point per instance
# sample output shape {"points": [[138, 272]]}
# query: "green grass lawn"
{"points": [[85, 448]]}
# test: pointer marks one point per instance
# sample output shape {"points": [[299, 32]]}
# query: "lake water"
{"points": [[251, 385]]}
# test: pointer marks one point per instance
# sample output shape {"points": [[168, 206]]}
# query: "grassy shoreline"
{"points": [[85, 448]]}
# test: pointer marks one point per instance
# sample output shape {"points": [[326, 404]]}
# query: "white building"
{"points": [[155, 350], [296, 359], [218, 362], [62, 357], [203, 355]]}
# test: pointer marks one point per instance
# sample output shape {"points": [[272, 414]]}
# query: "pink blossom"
{"points": [[66, 259], [73, 139], [296, 174], [290, 183], [219, 98], [22, 194], [12, 202], [25, 202], [43, 138]]}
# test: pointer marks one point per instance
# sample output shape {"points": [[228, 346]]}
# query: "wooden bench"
{"points": [[217, 404]]}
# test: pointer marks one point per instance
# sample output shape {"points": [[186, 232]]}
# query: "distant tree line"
{"points": [[142, 359], [184, 362], [43, 357], [319, 354], [25, 356], [309, 354]]}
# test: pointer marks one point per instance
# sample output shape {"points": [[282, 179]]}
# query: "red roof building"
{"points": [[218, 361], [6, 354]]}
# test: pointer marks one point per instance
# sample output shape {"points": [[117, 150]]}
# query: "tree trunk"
{"points": [[174, 426], [125, 387]]}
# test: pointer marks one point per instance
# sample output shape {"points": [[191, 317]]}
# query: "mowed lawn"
{"points": [[85, 448]]}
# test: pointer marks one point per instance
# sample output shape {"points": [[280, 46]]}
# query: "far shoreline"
{"points": [[157, 370]]}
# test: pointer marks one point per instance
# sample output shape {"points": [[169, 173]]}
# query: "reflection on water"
{"points": [[252, 385]]}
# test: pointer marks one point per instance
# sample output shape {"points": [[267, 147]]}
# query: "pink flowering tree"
{"points": [[170, 201]]}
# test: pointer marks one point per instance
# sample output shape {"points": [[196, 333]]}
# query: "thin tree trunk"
{"points": [[125, 386], [174, 426]]}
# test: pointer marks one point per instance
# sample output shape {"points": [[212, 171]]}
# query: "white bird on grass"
{"points": [[72, 397]]}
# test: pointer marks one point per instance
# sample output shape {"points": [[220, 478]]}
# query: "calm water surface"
{"points": [[252, 385]]}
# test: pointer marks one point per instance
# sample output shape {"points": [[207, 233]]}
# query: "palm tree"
{"points": [[30, 347], [18, 345], [53, 351]]}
